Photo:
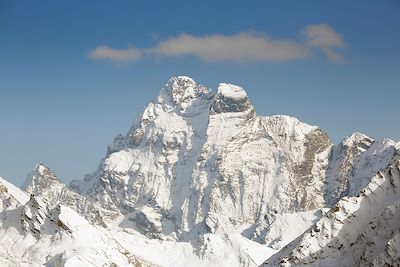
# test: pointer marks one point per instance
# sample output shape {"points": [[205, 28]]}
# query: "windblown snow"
{"points": [[200, 179]]}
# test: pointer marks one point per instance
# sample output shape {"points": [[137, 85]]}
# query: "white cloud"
{"points": [[324, 37], [239, 47], [117, 55]]}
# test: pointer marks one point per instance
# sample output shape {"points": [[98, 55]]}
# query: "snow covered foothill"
{"points": [[59, 237], [43, 182], [204, 250], [354, 161], [358, 231]]}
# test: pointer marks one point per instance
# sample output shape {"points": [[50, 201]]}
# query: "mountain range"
{"points": [[200, 179]]}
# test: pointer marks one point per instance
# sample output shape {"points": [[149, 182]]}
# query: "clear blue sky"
{"points": [[62, 100]]}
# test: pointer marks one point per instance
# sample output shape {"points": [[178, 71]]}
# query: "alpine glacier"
{"points": [[200, 179]]}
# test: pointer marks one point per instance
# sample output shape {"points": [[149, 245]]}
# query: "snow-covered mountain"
{"points": [[43, 182], [194, 154], [361, 230], [35, 235], [201, 179]]}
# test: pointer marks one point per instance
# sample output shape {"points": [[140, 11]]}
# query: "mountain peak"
{"points": [[182, 78], [41, 168], [231, 90], [182, 91], [357, 139], [39, 178], [231, 98]]}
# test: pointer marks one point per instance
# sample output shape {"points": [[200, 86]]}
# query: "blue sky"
{"points": [[73, 74]]}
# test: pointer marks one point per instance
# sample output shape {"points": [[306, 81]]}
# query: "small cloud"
{"points": [[324, 37], [117, 55], [239, 47]]}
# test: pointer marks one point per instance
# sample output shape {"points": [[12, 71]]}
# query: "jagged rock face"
{"points": [[43, 182], [38, 219], [353, 162], [360, 230], [183, 92], [230, 98], [3, 189], [193, 153], [6, 200], [57, 237], [34, 215]]}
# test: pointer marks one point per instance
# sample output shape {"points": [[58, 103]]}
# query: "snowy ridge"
{"points": [[11, 190], [200, 179], [58, 237], [359, 230], [43, 182], [354, 161]]}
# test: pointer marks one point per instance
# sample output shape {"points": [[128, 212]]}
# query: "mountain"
{"points": [[194, 154], [200, 179], [361, 230], [43, 182], [354, 161], [35, 235]]}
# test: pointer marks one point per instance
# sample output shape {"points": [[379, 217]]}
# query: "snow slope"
{"points": [[9, 190], [360, 230]]}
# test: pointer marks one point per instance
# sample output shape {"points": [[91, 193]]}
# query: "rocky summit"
{"points": [[201, 179]]}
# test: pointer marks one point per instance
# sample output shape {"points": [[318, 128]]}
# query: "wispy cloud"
{"points": [[240, 47], [118, 55], [324, 37]]}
